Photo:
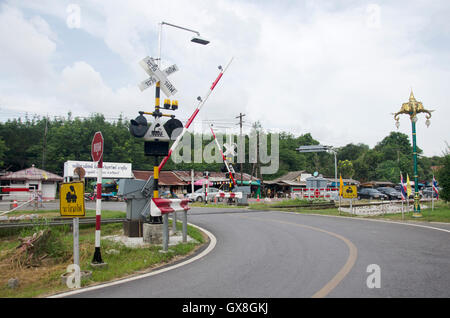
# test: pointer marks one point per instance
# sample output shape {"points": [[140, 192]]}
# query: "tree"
{"points": [[395, 145], [365, 166], [22, 144], [443, 177], [346, 168], [351, 151], [3, 151], [388, 171]]}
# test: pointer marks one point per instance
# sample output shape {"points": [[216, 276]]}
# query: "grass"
{"points": [[441, 212], [45, 279]]}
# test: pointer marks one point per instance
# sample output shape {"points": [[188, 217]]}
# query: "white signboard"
{"points": [[111, 170], [150, 66]]}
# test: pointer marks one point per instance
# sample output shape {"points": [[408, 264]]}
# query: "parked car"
{"points": [[391, 193], [369, 193], [199, 195], [428, 192]]}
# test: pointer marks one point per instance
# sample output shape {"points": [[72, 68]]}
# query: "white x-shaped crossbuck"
{"points": [[151, 67]]}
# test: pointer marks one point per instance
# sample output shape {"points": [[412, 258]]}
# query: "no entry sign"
{"points": [[97, 146]]}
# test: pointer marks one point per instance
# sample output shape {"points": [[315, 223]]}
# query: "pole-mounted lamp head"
{"points": [[200, 40]]}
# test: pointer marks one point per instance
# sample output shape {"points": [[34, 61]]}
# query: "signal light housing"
{"points": [[167, 104], [174, 105]]}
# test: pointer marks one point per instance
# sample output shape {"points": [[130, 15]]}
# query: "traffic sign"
{"points": [[71, 199], [97, 146], [152, 79], [349, 192], [150, 66]]}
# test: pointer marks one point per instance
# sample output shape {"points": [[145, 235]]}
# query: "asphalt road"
{"points": [[279, 254]]}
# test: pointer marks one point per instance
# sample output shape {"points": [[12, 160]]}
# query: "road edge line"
{"points": [[364, 219], [212, 244]]}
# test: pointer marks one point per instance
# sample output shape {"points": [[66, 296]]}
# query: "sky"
{"points": [[335, 69]]}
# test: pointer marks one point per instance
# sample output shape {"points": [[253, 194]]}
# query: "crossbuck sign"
{"points": [[150, 66]]}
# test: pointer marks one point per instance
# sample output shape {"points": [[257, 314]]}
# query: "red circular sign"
{"points": [[97, 146]]}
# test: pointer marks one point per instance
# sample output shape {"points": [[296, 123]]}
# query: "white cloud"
{"points": [[26, 46]]}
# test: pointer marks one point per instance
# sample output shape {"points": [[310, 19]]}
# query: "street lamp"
{"points": [[412, 108], [196, 39], [319, 148]]}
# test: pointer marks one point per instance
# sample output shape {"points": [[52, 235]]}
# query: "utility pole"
{"points": [[44, 143], [240, 136]]}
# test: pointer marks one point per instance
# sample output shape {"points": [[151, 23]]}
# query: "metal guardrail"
{"points": [[57, 221]]}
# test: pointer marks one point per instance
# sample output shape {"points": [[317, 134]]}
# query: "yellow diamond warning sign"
{"points": [[71, 199]]}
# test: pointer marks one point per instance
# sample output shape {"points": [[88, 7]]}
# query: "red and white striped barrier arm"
{"points": [[223, 156], [191, 119], [10, 189], [237, 195], [161, 206]]}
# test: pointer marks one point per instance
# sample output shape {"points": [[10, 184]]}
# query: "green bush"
{"points": [[443, 178]]}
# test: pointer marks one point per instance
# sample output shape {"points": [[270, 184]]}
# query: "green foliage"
{"points": [[346, 168], [443, 177], [48, 143], [3, 151], [351, 151]]}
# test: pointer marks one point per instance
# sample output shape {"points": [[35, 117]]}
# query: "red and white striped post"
{"points": [[97, 155]]}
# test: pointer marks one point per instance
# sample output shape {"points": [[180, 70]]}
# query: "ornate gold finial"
{"points": [[412, 108], [411, 96]]}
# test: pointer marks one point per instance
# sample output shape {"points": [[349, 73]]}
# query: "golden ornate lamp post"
{"points": [[412, 108]]}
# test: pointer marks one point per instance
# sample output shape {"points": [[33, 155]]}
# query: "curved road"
{"points": [[277, 254]]}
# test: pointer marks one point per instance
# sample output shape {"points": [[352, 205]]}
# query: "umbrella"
{"points": [[201, 182]]}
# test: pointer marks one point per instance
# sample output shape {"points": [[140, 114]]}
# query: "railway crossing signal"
{"points": [[156, 75]]}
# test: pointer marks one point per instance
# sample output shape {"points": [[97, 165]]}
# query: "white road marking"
{"points": [[210, 247]]}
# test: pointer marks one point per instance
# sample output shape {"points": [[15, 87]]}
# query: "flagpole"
{"points": [[403, 215], [339, 204], [432, 201], [432, 198], [407, 203], [341, 185]]}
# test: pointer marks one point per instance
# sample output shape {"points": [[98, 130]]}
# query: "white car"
{"points": [[199, 195]]}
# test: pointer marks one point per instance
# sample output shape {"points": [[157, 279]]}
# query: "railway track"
{"points": [[305, 206], [57, 221]]}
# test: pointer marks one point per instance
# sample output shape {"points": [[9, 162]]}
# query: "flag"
{"points": [[341, 185], [408, 186], [403, 188], [435, 188]]}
